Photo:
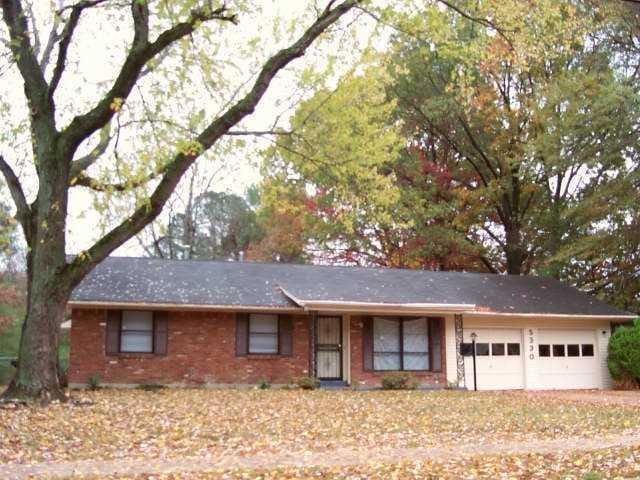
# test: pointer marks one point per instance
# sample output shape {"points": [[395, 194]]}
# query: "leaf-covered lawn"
{"points": [[597, 465], [179, 423]]}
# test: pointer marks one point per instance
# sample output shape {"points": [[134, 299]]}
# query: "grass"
{"points": [[9, 339], [12, 312], [10, 342]]}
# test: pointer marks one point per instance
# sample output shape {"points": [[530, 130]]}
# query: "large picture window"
{"points": [[136, 334], [263, 333], [400, 344]]}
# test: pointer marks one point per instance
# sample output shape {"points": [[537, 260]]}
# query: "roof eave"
{"points": [[397, 309], [181, 306], [344, 306]]}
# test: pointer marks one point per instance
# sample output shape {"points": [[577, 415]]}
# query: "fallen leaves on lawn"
{"points": [[599, 464], [191, 422]]}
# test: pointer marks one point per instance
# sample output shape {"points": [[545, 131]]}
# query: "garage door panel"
{"points": [[501, 368], [570, 366], [566, 336]]}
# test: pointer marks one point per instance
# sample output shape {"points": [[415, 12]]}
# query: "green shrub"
{"points": [[307, 383], [63, 351], [399, 381], [63, 375], [264, 385], [94, 382], [624, 353]]}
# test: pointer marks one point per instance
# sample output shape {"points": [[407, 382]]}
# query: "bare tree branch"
{"points": [[23, 211], [240, 133], [83, 263], [34, 30], [65, 40], [82, 5], [54, 36], [482, 21], [140, 53], [84, 180], [22, 50], [85, 162]]}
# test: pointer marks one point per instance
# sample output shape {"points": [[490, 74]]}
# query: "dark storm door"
{"points": [[329, 348]]}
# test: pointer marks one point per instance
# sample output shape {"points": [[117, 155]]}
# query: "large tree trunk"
{"points": [[553, 268], [513, 250], [37, 376], [48, 289]]}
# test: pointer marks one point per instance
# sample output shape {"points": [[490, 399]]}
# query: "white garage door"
{"points": [[499, 361], [567, 359]]}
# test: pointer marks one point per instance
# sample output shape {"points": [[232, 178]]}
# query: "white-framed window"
{"points": [[263, 333], [136, 331]]}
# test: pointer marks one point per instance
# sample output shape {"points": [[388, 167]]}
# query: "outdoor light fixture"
{"points": [[473, 336]]}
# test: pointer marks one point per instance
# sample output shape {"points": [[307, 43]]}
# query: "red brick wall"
{"points": [[365, 378], [201, 350]]}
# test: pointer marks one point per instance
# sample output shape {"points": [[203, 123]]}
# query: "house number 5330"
{"points": [[531, 342]]}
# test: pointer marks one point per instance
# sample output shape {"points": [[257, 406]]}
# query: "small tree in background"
{"points": [[624, 354]]}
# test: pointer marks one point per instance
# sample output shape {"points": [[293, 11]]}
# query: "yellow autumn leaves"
{"points": [[173, 424]]}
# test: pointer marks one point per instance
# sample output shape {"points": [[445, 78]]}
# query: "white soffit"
{"points": [[350, 306]]}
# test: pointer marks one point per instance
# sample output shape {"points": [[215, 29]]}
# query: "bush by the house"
{"points": [[94, 382], [624, 354], [307, 383], [264, 385], [399, 381]]}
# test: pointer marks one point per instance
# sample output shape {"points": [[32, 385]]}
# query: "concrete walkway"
{"points": [[341, 457]]}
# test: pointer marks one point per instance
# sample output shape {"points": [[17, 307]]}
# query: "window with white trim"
{"points": [[263, 333]]}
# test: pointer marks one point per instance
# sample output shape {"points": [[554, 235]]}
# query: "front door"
{"points": [[329, 348]]}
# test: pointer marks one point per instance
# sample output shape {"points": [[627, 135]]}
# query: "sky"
{"points": [[96, 53]]}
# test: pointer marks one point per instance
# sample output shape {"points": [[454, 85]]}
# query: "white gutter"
{"points": [[178, 306], [349, 306], [341, 306], [550, 315]]}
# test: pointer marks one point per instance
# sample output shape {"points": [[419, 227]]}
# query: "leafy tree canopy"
{"points": [[503, 146]]}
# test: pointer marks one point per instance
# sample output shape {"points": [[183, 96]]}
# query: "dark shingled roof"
{"points": [[146, 280]]}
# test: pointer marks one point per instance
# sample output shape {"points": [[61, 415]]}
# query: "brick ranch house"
{"points": [[140, 320]]}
